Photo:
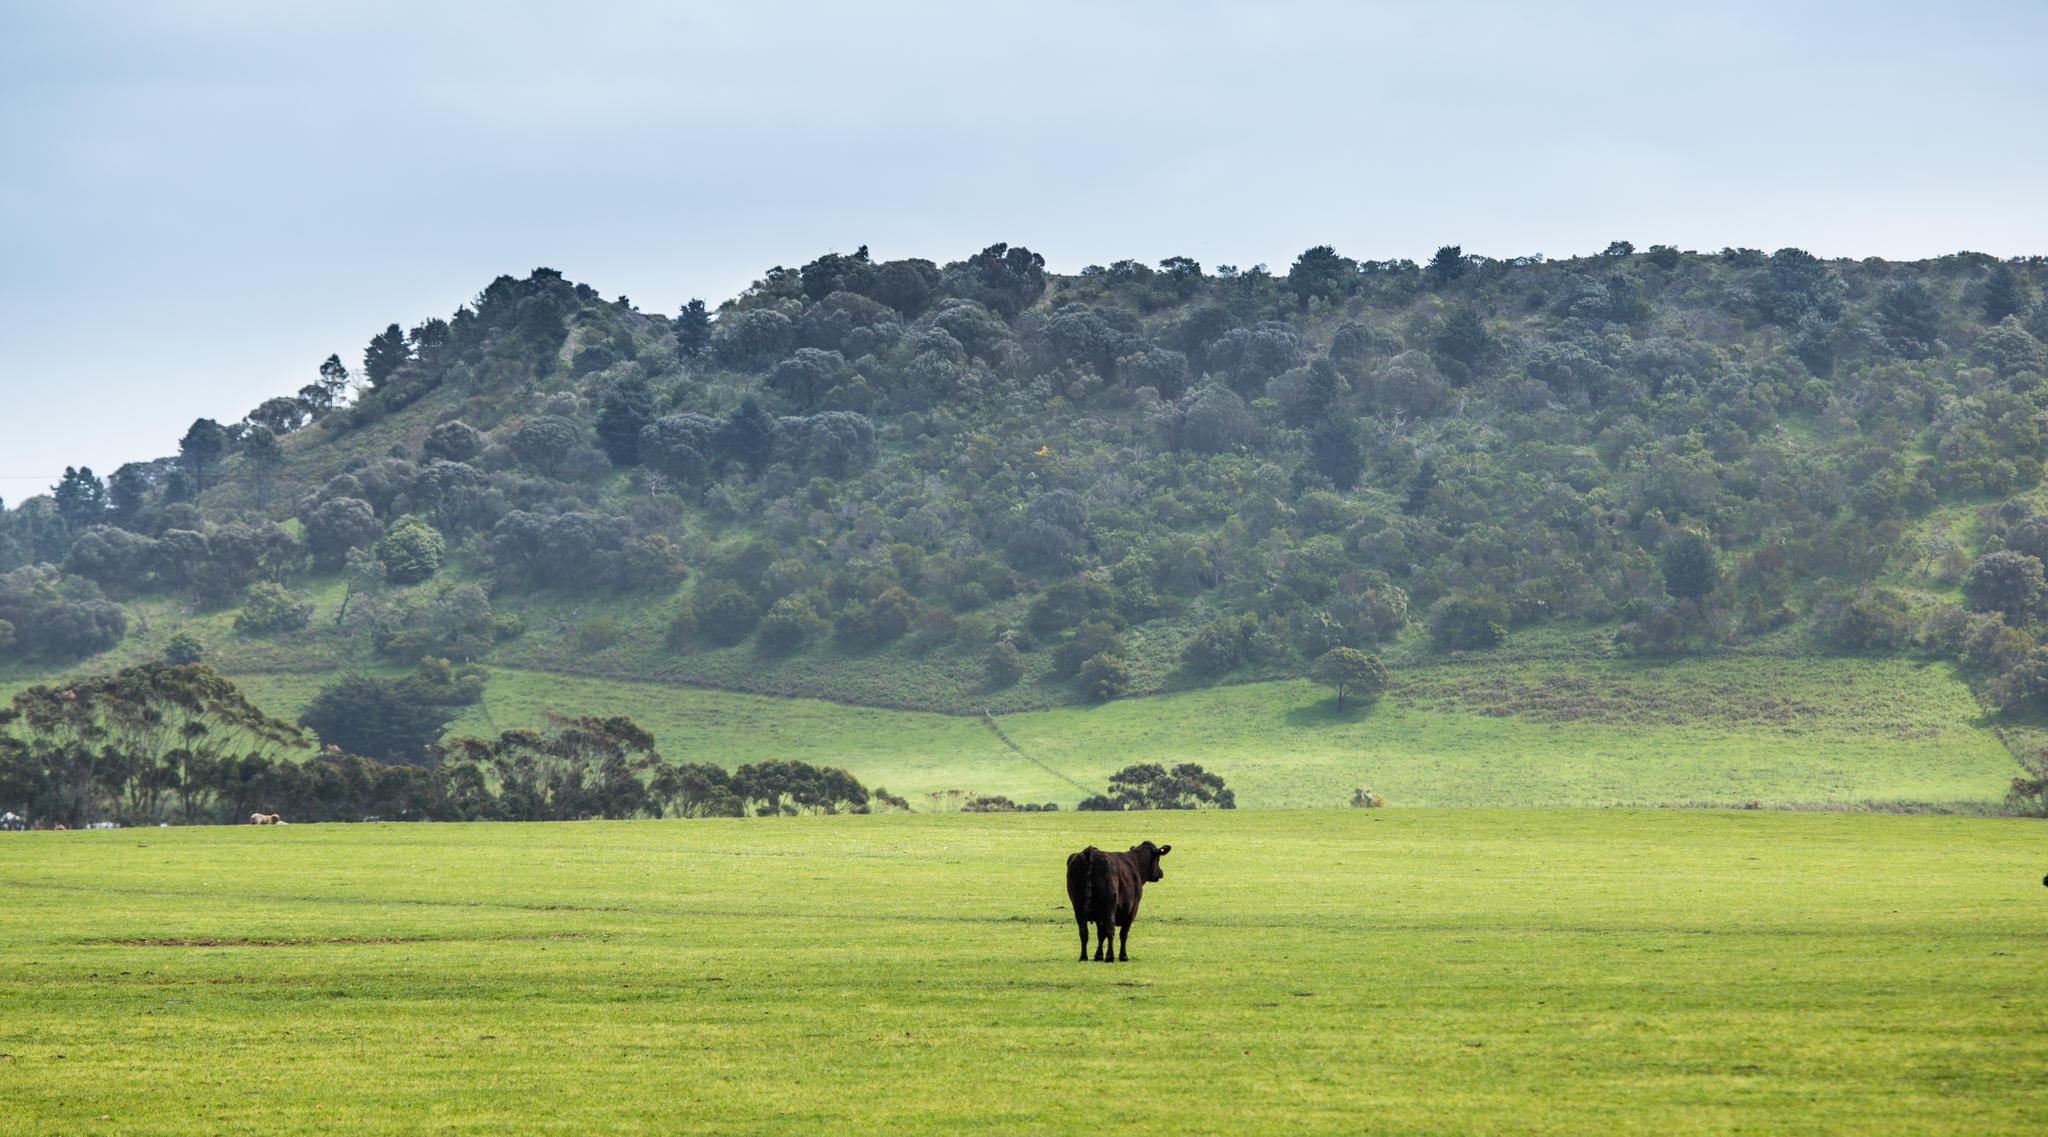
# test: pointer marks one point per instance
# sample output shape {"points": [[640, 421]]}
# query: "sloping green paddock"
{"points": [[1841, 733], [1335, 971]]}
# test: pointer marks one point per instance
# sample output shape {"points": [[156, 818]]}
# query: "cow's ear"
{"points": [[1165, 849]]}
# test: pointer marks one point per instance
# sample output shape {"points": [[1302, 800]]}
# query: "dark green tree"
{"points": [[115, 559], [1420, 487], [693, 329], [1183, 274], [1091, 638], [573, 769], [1007, 278], [1319, 273], [393, 720], [452, 442], [805, 377], [1463, 344], [1461, 621], [628, 406], [411, 550], [388, 351], [330, 389], [273, 608], [1336, 450], [1909, 320], [2005, 294], [1691, 567], [752, 339], [1350, 671], [776, 786], [1447, 266], [547, 444], [684, 447], [2007, 582], [791, 622], [1104, 677], [747, 435], [725, 614], [337, 525], [204, 444], [1150, 785], [184, 647], [837, 272], [52, 625], [700, 789], [1813, 341], [1004, 665], [1796, 283], [260, 449], [127, 493], [81, 498], [280, 415]]}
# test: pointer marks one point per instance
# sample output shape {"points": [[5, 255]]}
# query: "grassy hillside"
{"points": [[1837, 733], [1529, 485], [1398, 971]]}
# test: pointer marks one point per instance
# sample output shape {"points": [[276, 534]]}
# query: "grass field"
{"points": [[1840, 733], [1488, 731], [1391, 971]]}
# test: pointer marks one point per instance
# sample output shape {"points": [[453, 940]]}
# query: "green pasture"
{"points": [[1728, 730], [1338, 971], [1839, 733]]}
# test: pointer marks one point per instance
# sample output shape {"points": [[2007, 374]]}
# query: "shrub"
{"points": [[272, 608], [724, 613], [1462, 621], [1105, 677], [2007, 582], [411, 550], [654, 563], [598, 634], [1875, 619], [1092, 638], [997, 803], [182, 648], [791, 622], [1005, 665], [1219, 646]]}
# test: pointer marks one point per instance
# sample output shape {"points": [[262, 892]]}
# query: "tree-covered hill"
{"points": [[981, 484]]}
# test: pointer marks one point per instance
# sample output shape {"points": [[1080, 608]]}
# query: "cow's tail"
{"points": [[1088, 885], [1093, 860]]}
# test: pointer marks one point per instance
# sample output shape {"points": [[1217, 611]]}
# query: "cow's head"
{"points": [[1148, 856]]}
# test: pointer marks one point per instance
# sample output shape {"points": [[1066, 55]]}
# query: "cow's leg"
{"points": [[1082, 920], [1105, 942], [1123, 943]]}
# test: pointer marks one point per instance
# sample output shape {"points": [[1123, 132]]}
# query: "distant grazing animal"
{"points": [[267, 819], [1106, 888]]}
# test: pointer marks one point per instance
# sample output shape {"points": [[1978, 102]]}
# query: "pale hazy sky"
{"points": [[199, 201]]}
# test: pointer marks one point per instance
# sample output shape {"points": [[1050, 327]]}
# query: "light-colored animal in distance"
{"points": [[267, 819]]}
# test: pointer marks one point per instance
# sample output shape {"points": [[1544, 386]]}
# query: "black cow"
{"points": [[1106, 888]]}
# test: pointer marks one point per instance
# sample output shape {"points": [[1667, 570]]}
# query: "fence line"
{"points": [[989, 720]]}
